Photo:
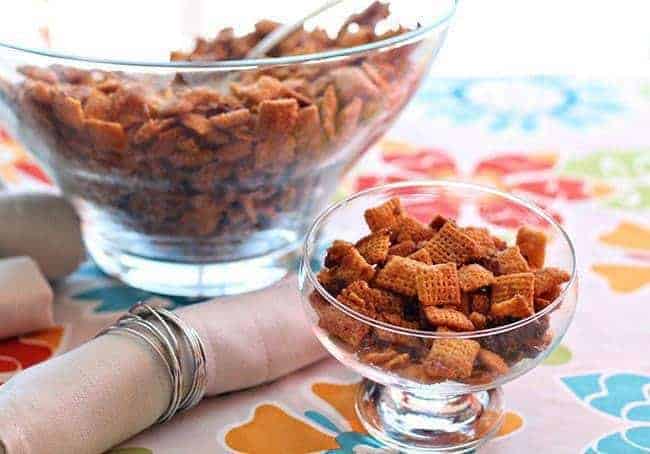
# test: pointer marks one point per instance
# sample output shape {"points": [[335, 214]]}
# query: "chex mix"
{"points": [[439, 277]]}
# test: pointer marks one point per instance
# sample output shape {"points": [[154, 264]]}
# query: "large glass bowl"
{"points": [[401, 405], [186, 183]]}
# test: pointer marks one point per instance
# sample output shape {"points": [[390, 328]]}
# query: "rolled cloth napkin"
{"points": [[44, 227], [114, 386], [25, 298]]}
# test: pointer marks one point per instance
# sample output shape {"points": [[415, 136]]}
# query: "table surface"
{"points": [[581, 148]]}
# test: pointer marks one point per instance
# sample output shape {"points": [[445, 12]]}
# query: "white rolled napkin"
{"points": [[114, 386], [25, 298], [44, 227]]}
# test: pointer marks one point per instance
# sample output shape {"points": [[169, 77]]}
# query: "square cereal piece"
{"points": [[383, 216], [451, 358], [354, 267], [356, 301], [409, 228], [338, 324], [381, 300], [265, 88], [473, 277], [515, 307], [374, 247], [492, 362], [481, 303], [483, 239], [106, 135], [547, 279], [448, 317], [508, 261], [68, 110], [396, 338], [336, 252], [511, 285], [308, 130], [276, 117], [398, 275], [421, 255], [437, 285], [402, 249], [532, 244], [450, 244]]}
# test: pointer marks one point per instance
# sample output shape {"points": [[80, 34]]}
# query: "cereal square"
{"points": [[402, 249], [382, 301], [451, 359], [511, 285], [399, 275], [374, 247], [450, 244], [336, 252], [532, 244], [383, 216], [448, 317], [515, 307], [438, 285], [508, 261], [421, 255], [483, 239], [547, 279], [409, 228], [473, 277], [277, 117], [338, 324]]}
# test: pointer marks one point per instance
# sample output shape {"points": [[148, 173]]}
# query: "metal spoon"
{"points": [[279, 34]]}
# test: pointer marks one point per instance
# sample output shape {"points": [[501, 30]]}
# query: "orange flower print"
{"points": [[19, 353], [634, 240], [274, 430]]}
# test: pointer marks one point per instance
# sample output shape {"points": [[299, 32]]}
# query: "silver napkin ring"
{"points": [[167, 339]]}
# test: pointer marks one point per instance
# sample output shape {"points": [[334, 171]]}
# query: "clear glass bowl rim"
{"points": [[447, 185], [247, 64]]}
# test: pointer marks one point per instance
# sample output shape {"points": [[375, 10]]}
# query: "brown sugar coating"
{"points": [[482, 284]]}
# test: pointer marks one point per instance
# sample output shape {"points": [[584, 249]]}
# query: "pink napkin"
{"points": [[113, 387], [25, 298]]}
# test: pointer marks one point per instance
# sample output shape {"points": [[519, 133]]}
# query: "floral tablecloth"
{"points": [[581, 148]]}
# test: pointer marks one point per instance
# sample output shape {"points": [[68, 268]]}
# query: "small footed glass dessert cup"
{"points": [[428, 388]]}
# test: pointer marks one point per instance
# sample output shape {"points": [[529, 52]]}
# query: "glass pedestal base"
{"points": [[194, 280], [425, 423]]}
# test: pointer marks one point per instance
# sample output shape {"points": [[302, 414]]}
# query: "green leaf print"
{"points": [[611, 164], [632, 197]]}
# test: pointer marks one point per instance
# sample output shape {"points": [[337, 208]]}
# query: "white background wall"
{"points": [[487, 38], [582, 37]]}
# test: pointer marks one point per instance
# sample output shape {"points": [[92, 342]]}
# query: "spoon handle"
{"points": [[279, 34]]}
